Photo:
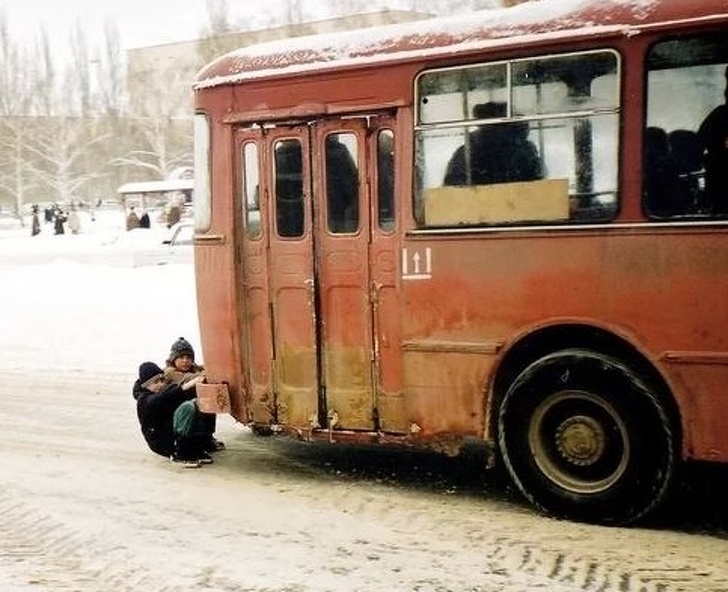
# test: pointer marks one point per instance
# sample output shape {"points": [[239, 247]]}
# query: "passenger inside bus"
{"points": [[687, 154], [494, 153], [385, 179], [665, 194], [713, 134], [289, 188], [342, 184]]}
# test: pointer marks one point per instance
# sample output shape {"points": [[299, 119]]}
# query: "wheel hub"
{"points": [[580, 440]]}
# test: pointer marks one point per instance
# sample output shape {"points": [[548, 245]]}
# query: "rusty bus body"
{"points": [[363, 275]]}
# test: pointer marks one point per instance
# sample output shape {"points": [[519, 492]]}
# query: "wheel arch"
{"points": [[540, 341]]}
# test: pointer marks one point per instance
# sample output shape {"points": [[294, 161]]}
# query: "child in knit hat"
{"points": [[180, 370], [181, 365], [170, 421]]}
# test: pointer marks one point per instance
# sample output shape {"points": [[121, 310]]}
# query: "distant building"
{"points": [[160, 78]]}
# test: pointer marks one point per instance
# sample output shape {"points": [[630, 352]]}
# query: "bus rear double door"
{"points": [[330, 283]]}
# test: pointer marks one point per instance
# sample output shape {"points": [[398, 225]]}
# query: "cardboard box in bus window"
{"points": [[530, 201], [213, 398]]}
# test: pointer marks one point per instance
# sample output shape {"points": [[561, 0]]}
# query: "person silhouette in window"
{"points": [[342, 187], [713, 134], [495, 153], [289, 188]]}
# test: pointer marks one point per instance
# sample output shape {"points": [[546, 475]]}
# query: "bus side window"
{"points": [[342, 183], [527, 141], [289, 188], [385, 180], [678, 179], [251, 189]]}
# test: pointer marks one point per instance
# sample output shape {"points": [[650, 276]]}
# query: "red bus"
{"points": [[508, 227]]}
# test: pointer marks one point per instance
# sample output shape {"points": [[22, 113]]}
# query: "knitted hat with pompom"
{"points": [[179, 348]]}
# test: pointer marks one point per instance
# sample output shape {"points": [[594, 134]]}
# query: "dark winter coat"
{"points": [[156, 413]]}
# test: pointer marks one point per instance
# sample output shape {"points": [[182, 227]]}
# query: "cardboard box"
{"points": [[546, 200], [213, 398]]}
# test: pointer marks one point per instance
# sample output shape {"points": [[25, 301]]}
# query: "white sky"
{"points": [[141, 22]]}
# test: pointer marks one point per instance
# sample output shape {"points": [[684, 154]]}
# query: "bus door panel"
{"points": [[342, 203], [357, 266], [290, 261], [257, 345], [384, 276]]}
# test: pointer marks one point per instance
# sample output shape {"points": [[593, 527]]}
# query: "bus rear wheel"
{"points": [[585, 438]]}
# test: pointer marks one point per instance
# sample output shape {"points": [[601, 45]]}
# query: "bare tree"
{"points": [[294, 12], [214, 36], [45, 81], [16, 97], [16, 179], [219, 16], [110, 73], [60, 156], [165, 146], [15, 90], [78, 75], [161, 126]]}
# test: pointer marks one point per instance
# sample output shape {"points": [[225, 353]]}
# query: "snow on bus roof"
{"points": [[165, 186], [409, 40]]}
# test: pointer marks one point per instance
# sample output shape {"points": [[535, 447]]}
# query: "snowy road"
{"points": [[85, 507]]}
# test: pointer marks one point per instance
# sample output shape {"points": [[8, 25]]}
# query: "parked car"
{"points": [[175, 247]]}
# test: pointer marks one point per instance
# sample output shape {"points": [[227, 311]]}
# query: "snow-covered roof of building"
{"points": [[404, 41], [165, 186]]}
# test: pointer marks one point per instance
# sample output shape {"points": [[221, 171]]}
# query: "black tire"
{"points": [[584, 438]]}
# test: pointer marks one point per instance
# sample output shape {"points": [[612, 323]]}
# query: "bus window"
{"points": [[342, 183], [680, 142], [450, 95], [536, 141], [251, 189], [385, 180], [202, 193], [288, 159]]}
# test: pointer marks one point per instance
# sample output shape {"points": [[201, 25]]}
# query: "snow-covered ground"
{"points": [[57, 293], [85, 506]]}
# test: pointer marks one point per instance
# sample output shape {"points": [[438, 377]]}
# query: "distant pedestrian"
{"points": [[58, 221], [174, 214], [144, 220], [35, 225], [74, 222], [132, 220]]}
